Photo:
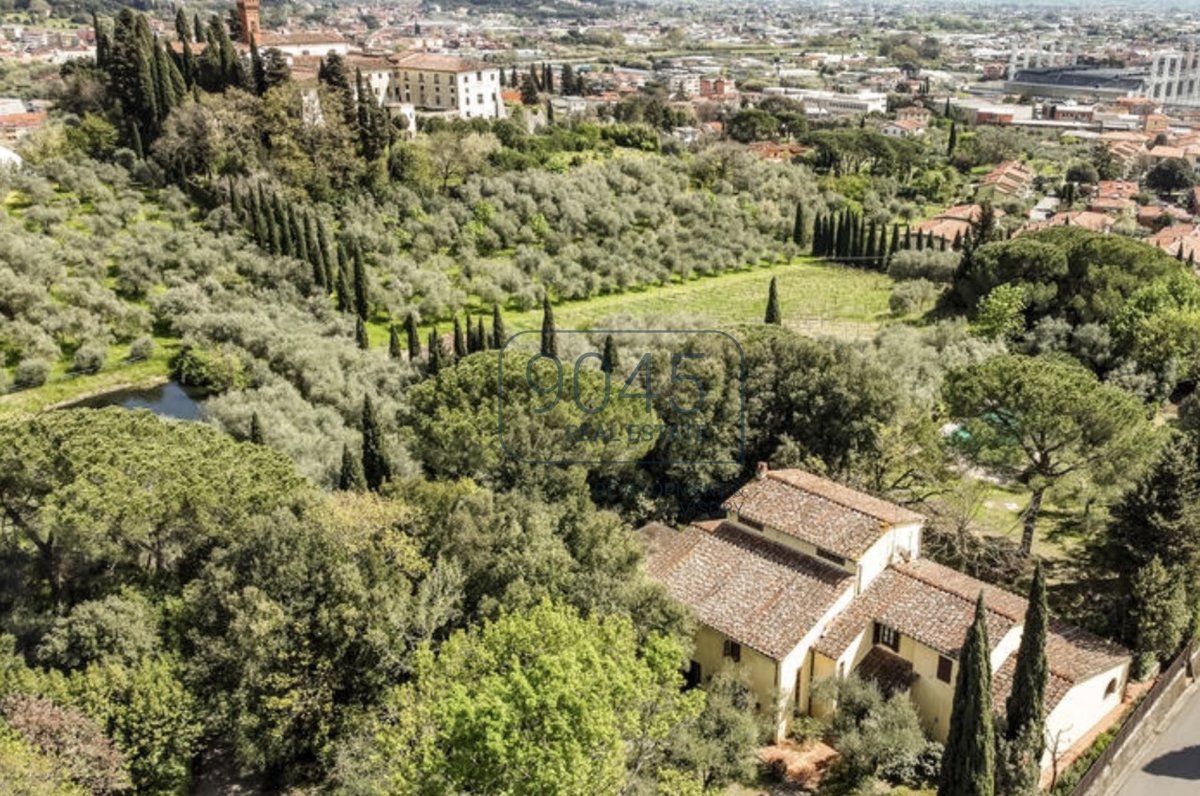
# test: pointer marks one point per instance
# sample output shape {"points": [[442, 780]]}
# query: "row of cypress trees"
{"points": [[981, 758], [847, 237]]}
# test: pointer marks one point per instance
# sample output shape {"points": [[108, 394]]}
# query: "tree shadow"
{"points": [[1180, 764]]}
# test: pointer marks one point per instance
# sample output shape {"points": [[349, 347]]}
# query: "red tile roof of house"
{"points": [[747, 588], [435, 62], [1117, 189], [818, 511], [936, 605], [1096, 222], [301, 38]]}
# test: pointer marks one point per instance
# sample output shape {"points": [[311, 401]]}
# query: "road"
{"points": [[1171, 766]]}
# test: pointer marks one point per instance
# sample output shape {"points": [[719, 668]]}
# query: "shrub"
{"points": [[807, 729], [914, 296], [141, 349], [31, 373], [215, 369], [936, 266], [89, 357]]}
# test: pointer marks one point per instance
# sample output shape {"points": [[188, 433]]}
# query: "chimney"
{"points": [[761, 471]]}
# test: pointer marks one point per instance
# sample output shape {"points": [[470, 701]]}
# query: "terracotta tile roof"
{"points": [[269, 39], [818, 511], [891, 673], [749, 589], [938, 619], [936, 605], [434, 62], [1110, 205], [1002, 683], [1096, 222], [1010, 177], [1163, 151], [1116, 189]]}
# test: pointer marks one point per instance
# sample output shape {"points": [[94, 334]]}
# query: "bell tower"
{"points": [[248, 14]]}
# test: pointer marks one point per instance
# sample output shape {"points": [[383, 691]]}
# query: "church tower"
{"points": [[248, 14]]}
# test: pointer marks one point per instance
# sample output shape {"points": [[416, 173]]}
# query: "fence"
{"points": [[1137, 729]]}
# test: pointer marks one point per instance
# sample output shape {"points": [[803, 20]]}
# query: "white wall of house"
{"points": [[1080, 710], [898, 543]]}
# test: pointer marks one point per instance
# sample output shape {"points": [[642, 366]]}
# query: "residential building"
{"points": [[904, 128], [953, 223], [832, 103], [433, 82], [1012, 179], [805, 579], [914, 113]]}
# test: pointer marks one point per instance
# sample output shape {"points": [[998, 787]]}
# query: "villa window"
{"points": [[732, 650], [945, 668], [886, 636]]}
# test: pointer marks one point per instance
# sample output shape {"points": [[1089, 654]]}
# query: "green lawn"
{"points": [[64, 387], [814, 297]]}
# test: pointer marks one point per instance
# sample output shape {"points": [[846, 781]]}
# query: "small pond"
{"points": [[166, 400]]}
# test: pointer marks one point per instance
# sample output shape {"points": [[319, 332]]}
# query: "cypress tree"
{"points": [[361, 305], [549, 339], [566, 83], [548, 78], [953, 142], [895, 246], [351, 478], [907, 237], [414, 341], [256, 431], [499, 338], [299, 232], [798, 230], [437, 353], [136, 135], [197, 28], [360, 334], [481, 335], [512, 77], [377, 468], [1024, 711], [869, 253], [316, 253], [460, 345], [773, 315], [395, 351], [957, 245], [103, 42], [257, 69], [345, 294], [610, 362], [286, 244], [328, 256], [929, 240], [920, 242], [969, 762], [183, 30]]}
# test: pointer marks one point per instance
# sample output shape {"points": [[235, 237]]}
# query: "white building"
{"points": [[431, 82], [821, 103]]}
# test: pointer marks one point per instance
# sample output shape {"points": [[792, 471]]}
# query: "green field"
{"points": [[815, 298]]}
